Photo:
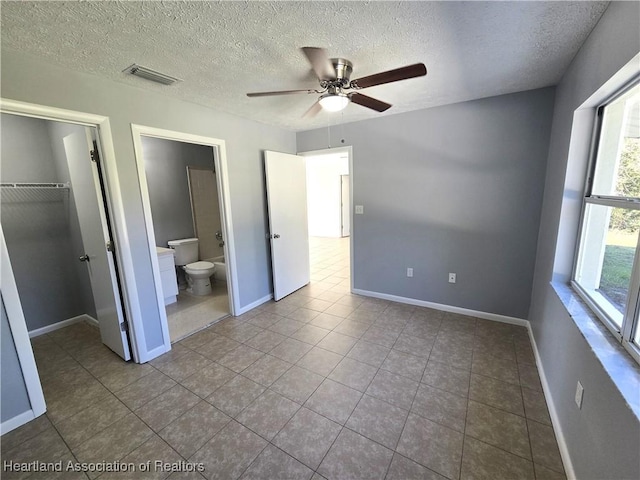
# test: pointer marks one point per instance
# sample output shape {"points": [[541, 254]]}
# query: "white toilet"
{"points": [[198, 273]]}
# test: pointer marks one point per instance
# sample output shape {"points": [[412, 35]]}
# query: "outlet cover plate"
{"points": [[452, 278]]}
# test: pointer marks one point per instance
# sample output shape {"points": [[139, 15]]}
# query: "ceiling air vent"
{"points": [[144, 72]]}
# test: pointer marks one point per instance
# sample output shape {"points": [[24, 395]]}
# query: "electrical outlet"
{"points": [[359, 209], [452, 278], [579, 394], [409, 272]]}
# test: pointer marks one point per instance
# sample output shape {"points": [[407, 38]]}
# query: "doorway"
{"points": [[329, 210], [57, 229], [183, 185]]}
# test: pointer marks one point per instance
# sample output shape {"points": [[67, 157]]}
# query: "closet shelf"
{"points": [[34, 185]]}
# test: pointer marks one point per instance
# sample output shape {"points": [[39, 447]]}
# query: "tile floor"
{"points": [[322, 384], [193, 312]]}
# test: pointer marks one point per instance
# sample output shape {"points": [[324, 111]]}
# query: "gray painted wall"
{"points": [[603, 437], [38, 226], [457, 189], [32, 80], [14, 399], [165, 165]]}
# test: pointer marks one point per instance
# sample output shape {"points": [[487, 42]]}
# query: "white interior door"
{"points": [[87, 194], [345, 205], [289, 230]]}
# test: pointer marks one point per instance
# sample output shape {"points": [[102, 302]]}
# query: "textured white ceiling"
{"points": [[223, 50]]}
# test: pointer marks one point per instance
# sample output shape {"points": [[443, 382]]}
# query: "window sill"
{"points": [[619, 365]]}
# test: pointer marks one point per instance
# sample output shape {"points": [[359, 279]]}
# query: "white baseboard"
{"points": [[253, 305], [64, 323], [16, 421], [445, 308], [555, 420]]}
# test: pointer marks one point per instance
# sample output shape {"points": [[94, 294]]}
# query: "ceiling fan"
{"points": [[334, 77]]}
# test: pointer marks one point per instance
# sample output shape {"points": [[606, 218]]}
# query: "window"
{"points": [[607, 268]]}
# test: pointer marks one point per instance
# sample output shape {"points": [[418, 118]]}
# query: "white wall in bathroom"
{"points": [[324, 194]]}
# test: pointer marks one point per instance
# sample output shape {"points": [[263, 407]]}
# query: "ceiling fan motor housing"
{"points": [[343, 68]]}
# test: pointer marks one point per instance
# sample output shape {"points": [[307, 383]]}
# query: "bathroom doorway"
{"points": [[183, 197], [57, 230]]}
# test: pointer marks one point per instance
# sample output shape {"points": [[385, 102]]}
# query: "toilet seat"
{"points": [[199, 266]]}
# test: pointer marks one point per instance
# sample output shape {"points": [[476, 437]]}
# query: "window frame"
{"points": [[631, 317]]}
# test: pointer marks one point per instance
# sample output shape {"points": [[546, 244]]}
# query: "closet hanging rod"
{"points": [[34, 185]]}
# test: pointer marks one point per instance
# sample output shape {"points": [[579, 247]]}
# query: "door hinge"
{"points": [[111, 247], [124, 326], [95, 157]]}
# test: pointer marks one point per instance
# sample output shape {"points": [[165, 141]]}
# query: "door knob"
{"points": [[84, 258], [275, 235]]}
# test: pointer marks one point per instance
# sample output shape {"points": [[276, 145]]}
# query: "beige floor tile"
{"points": [[441, 407], [208, 379], [166, 407], [320, 361], [544, 446], [378, 421], [297, 384], [192, 430], [484, 462], [235, 395], [447, 377], [268, 414], [114, 442], [274, 463], [307, 437], [230, 452], [498, 428], [356, 457], [496, 393], [334, 401], [142, 391], [85, 424], [404, 469], [435, 446]]}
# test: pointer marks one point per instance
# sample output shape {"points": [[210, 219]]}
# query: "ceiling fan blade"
{"points": [[402, 73], [313, 111], [320, 62], [279, 92], [369, 102]]}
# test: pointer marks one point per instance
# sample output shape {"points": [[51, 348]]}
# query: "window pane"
{"points": [[618, 157], [608, 247]]}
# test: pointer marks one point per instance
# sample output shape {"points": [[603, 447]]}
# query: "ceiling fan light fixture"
{"points": [[334, 102]]}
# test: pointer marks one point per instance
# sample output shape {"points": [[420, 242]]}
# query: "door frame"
{"points": [[114, 205], [222, 181], [349, 151]]}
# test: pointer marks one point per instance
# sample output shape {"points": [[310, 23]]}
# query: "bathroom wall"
{"points": [[165, 165], [37, 226]]}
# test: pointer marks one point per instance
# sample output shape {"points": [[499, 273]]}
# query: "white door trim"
{"points": [[222, 180], [18, 326], [349, 151], [128, 286]]}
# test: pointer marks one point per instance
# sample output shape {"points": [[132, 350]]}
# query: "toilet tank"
{"points": [[186, 250]]}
